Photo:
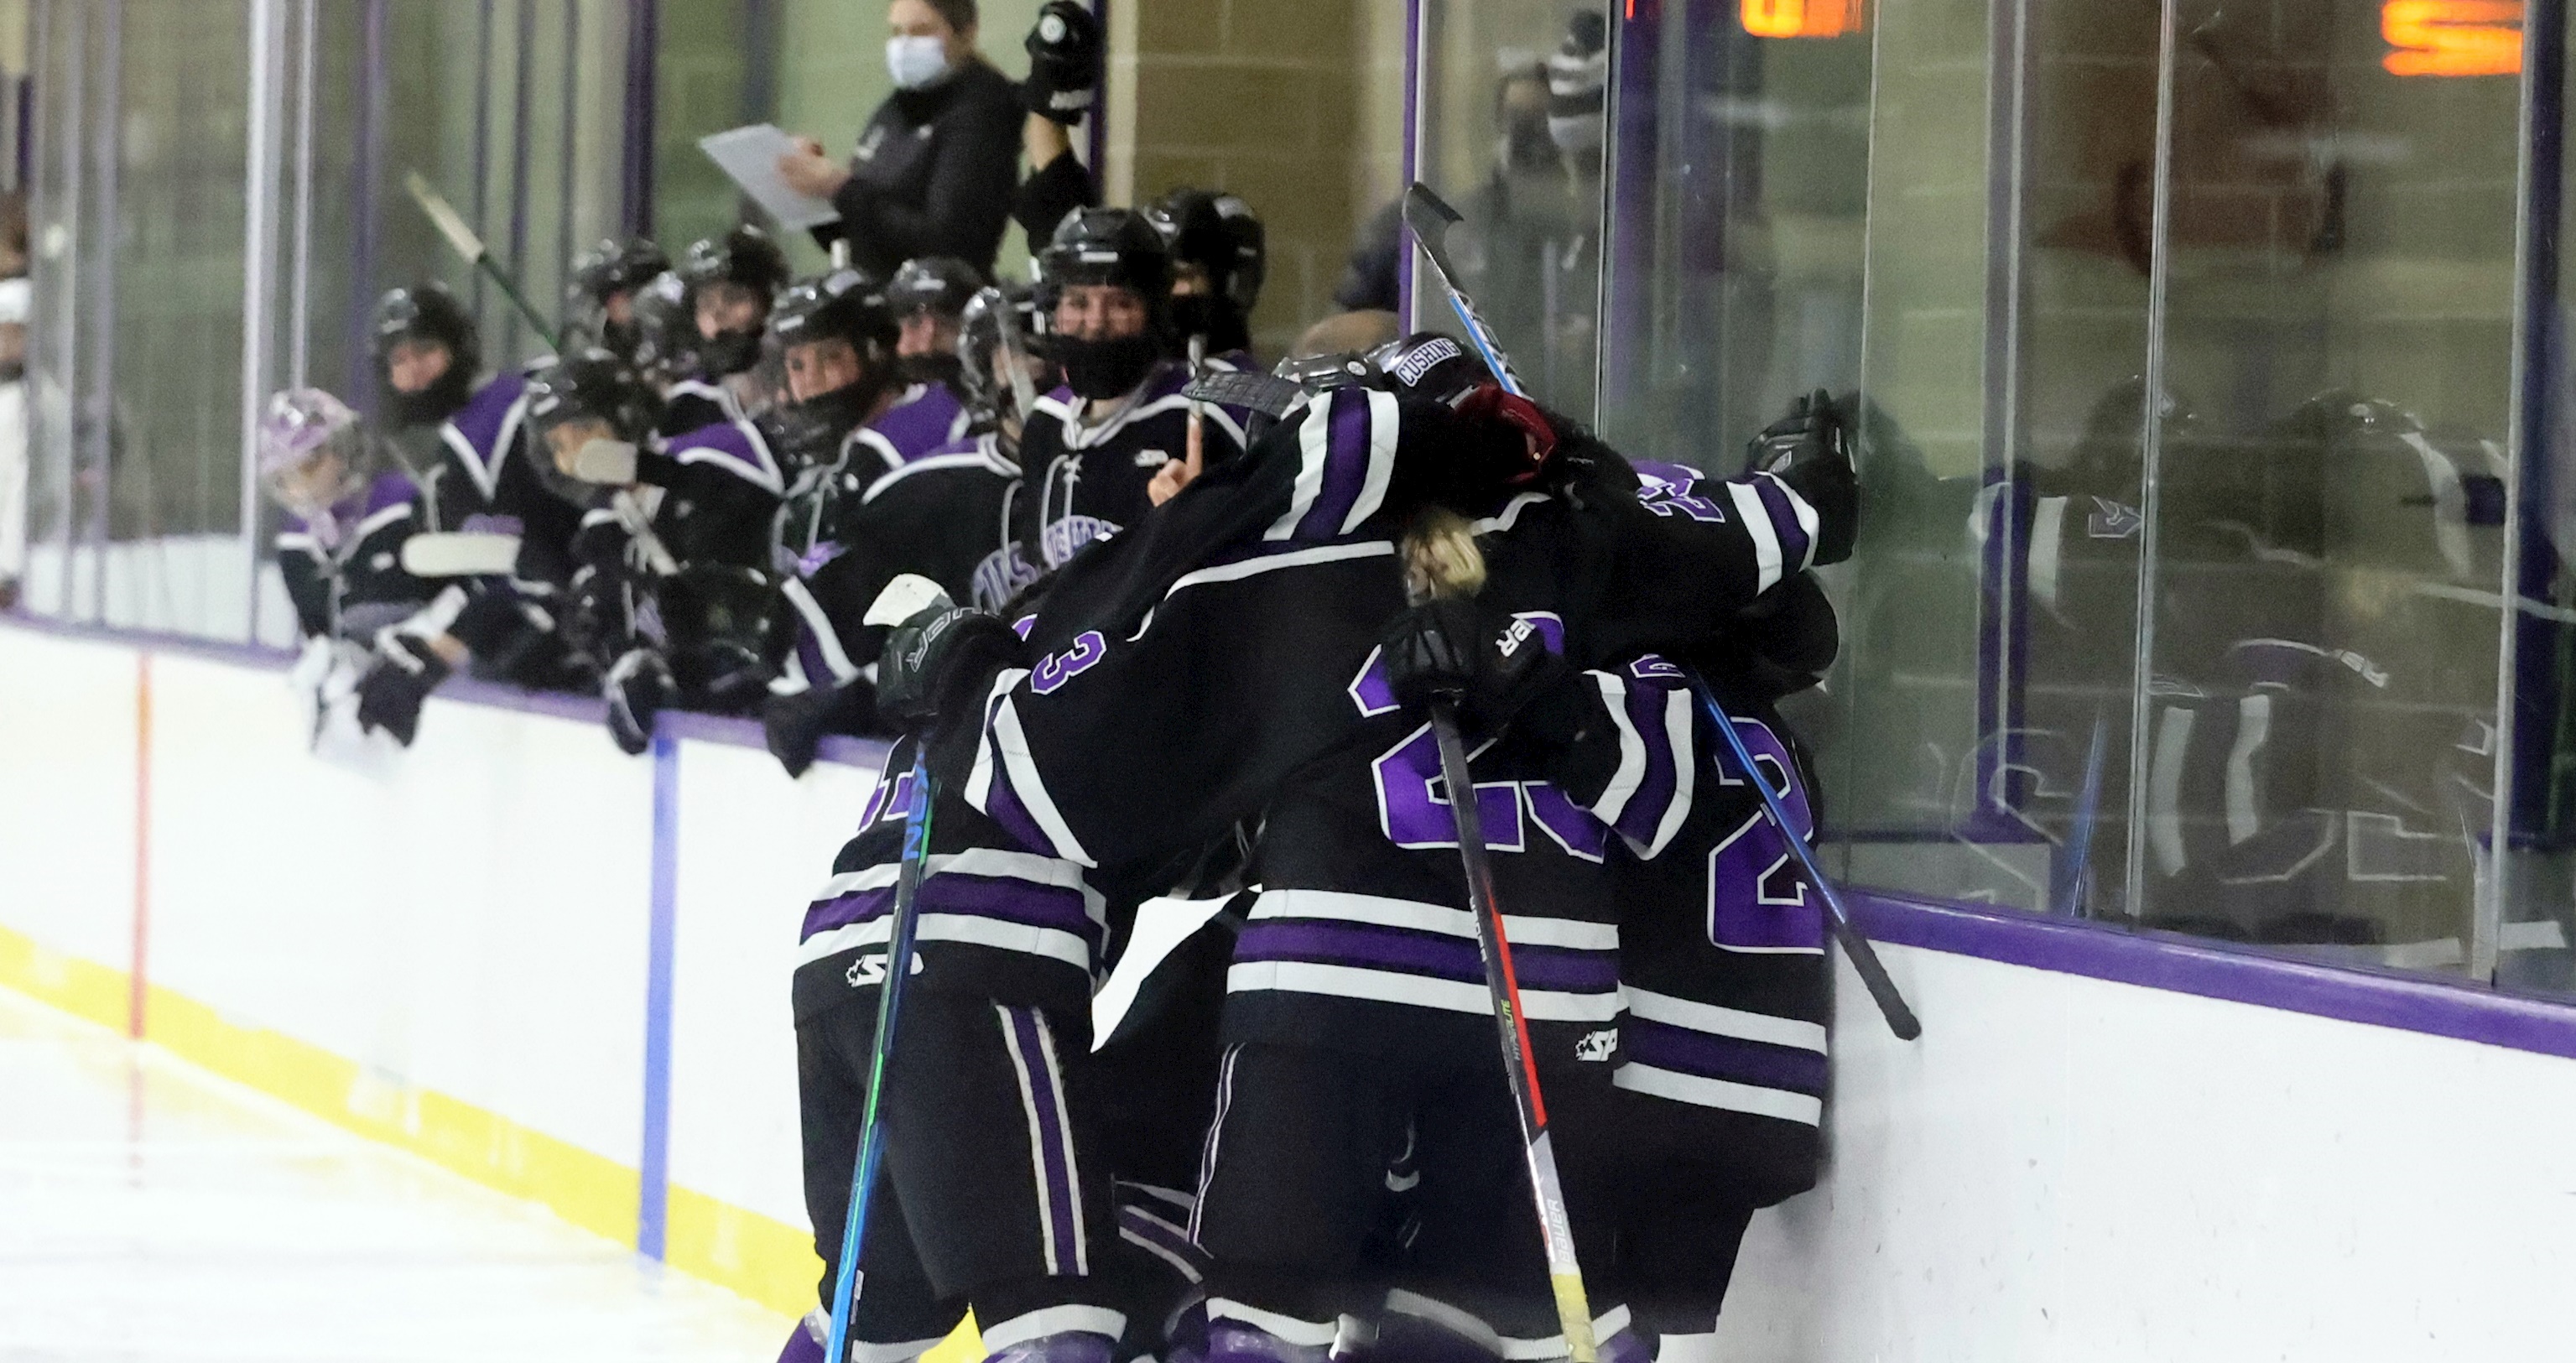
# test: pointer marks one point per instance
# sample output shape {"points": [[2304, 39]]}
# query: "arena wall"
{"points": [[562, 972]]}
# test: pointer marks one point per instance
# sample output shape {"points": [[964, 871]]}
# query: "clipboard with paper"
{"points": [[749, 156]]}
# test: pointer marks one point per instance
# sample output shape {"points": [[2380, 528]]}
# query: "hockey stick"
{"points": [[1502, 983], [443, 216], [1431, 217], [901, 599], [1864, 957]]}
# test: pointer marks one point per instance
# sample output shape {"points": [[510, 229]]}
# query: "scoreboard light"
{"points": [[2444, 37], [1810, 18]]}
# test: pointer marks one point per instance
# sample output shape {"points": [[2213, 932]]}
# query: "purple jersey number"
{"points": [[1756, 899], [1413, 800], [1672, 490], [1055, 669]]}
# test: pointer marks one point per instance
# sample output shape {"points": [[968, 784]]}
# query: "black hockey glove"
{"points": [[406, 670], [936, 661], [794, 726], [1810, 450], [1064, 63], [1781, 645], [637, 687], [1495, 673]]}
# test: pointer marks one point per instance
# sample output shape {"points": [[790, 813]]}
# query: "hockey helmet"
{"points": [[744, 256], [845, 304], [666, 333], [979, 338], [592, 384], [1219, 235], [1113, 246], [614, 267], [1430, 365], [300, 428], [426, 312], [937, 284]]}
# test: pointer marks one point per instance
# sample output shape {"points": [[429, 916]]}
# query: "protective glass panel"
{"points": [[2256, 373], [1529, 186], [2329, 526]]}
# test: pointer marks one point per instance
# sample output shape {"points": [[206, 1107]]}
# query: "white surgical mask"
{"points": [[916, 63]]}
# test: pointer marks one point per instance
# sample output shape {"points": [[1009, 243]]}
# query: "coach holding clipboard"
{"points": [[936, 166]]}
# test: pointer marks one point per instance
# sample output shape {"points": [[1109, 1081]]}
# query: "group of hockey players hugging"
{"points": [[1193, 617]]}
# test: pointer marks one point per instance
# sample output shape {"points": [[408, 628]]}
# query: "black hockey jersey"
{"points": [[485, 480], [1213, 663], [1722, 961], [1086, 481], [925, 420], [343, 569], [944, 516]]}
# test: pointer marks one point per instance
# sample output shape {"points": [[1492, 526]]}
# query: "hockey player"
{"points": [[1220, 255], [730, 281], [599, 308], [340, 551], [927, 298], [946, 517], [1095, 446], [1354, 1000], [475, 476], [674, 582], [836, 342]]}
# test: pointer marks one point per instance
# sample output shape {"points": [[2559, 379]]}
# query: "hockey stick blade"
{"points": [[847, 1282], [1430, 217], [460, 553], [1863, 956], [1547, 1188]]}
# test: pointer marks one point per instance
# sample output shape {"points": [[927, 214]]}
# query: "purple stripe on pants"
{"points": [[841, 910], [1047, 1105]]}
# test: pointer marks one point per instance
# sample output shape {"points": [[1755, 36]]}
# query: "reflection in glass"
{"points": [[2256, 377], [1528, 180]]}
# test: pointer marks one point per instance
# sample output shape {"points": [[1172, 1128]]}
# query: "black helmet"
{"points": [[744, 256], [939, 284], [426, 312], [844, 303], [600, 274], [666, 332], [592, 384], [1107, 246], [1219, 234], [979, 334], [1430, 365], [615, 267]]}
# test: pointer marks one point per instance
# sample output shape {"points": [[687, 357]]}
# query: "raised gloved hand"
{"points": [[1064, 63], [407, 668], [1810, 449], [638, 685], [936, 659], [1493, 671]]}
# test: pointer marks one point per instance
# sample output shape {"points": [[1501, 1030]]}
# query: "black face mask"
{"points": [[619, 338], [810, 432], [1214, 317], [1107, 369], [13, 371], [934, 368], [431, 405], [729, 352]]}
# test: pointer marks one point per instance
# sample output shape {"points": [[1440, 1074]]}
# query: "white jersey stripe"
{"points": [[1419, 991], [1719, 1093], [1407, 913], [1717, 1021], [1757, 527]]}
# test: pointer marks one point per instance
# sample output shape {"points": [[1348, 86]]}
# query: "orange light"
{"points": [[1807, 18], [2449, 37]]}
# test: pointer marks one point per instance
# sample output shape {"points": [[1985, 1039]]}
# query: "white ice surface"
{"points": [[152, 1211]]}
